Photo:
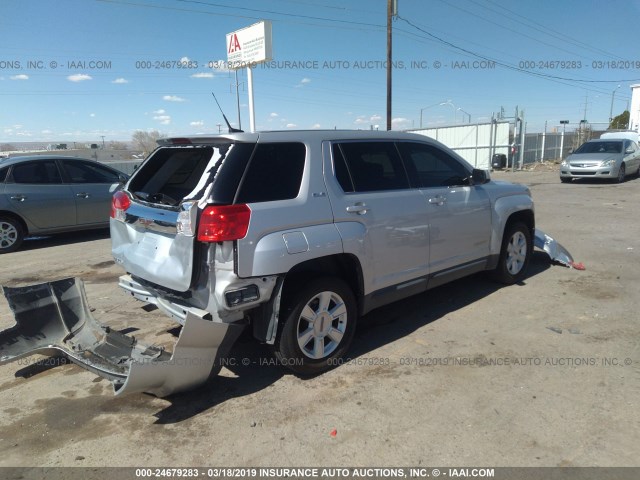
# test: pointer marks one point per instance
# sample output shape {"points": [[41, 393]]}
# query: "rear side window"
{"points": [[40, 173], [3, 174], [274, 173], [369, 167]]}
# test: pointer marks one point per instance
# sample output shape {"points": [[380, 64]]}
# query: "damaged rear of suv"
{"points": [[292, 234]]}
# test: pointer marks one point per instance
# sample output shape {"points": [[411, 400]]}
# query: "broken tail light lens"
{"points": [[224, 223], [120, 202]]}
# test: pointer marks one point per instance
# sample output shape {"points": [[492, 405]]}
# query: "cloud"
{"points": [[46, 132], [79, 77], [92, 115], [199, 123], [184, 60], [203, 75], [400, 123], [367, 120], [291, 125], [273, 115], [22, 76], [173, 98], [303, 82], [120, 80], [315, 126], [159, 112], [163, 119]]}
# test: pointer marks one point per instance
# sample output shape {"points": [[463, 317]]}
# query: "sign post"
{"points": [[246, 48]]}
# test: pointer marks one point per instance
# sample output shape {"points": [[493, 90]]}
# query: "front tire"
{"points": [[621, 174], [565, 179], [514, 255], [11, 234], [317, 326]]}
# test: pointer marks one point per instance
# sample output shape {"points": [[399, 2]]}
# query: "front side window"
{"points": [[369, 167], [274, 173], [433, 167], [39, 172]]}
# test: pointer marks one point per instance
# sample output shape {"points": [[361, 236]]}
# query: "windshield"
{"points": [[600, 147]]}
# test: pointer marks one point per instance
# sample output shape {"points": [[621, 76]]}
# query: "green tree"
{"points": [[620, 122]]}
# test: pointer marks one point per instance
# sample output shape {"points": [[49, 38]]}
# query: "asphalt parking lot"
{"points": [[545, 373]]}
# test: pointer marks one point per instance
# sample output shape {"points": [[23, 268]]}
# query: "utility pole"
{"points": [[392, 10], [238, 101]]}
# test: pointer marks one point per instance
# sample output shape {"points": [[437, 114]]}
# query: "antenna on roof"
{"points": [[231, 129]]}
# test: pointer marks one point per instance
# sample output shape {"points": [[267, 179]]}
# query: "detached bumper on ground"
{"points": [[54, 319], [556, 252]]}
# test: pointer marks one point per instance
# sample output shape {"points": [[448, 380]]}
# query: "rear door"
{"points": [[93, 186], [35, 190], [380, 217], [459, 214]]}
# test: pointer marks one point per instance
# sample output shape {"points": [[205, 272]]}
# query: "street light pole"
{"points": [[429, 106], [465, 114], [613, 94], [449, 102]]}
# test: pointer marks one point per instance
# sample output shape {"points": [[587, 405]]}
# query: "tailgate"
{"points": [[154, 218], [148, 244]]}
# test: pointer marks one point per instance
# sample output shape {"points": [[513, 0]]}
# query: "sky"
{"points": [[88, 70]]}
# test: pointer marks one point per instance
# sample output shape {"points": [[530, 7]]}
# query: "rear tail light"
{"points": [[119, 205], [224, 223]]}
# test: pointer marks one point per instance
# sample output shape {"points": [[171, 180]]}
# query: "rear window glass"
{"points": [[274, 173], [171, 174]]}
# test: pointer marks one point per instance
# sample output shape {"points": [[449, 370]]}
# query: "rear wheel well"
{"points": [[343, 265], [18, 218]]}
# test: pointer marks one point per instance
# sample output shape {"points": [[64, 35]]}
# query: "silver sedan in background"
{"points": [[603, 158], [40, 195]]}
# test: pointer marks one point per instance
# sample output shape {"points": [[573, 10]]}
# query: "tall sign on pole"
{"points": [[246, 48]]}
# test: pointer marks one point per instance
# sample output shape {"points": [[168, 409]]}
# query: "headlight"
{"points": [[608, 163], [564, 163]]}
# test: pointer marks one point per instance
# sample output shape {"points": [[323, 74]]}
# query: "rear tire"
{"points": [[514, 255], [11, 234], [316, 326]]}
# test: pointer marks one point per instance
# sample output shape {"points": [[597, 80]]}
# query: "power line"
{"points": [[506, 65]]}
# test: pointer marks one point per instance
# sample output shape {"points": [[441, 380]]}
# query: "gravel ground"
{"points": [[545, 373]]}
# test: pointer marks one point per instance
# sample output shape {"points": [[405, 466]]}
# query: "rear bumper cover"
{"points": [[54, 319]]}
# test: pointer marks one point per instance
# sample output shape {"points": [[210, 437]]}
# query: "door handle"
{"points": [[19, 198], [360, 208], [82, 195], [438, 200]]}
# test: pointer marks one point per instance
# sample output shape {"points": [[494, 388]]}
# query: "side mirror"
{"points": [[628, 151], [122, 178], [479, 177]]}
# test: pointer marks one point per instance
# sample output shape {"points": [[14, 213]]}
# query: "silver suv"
{"points": [[299, 233]]}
